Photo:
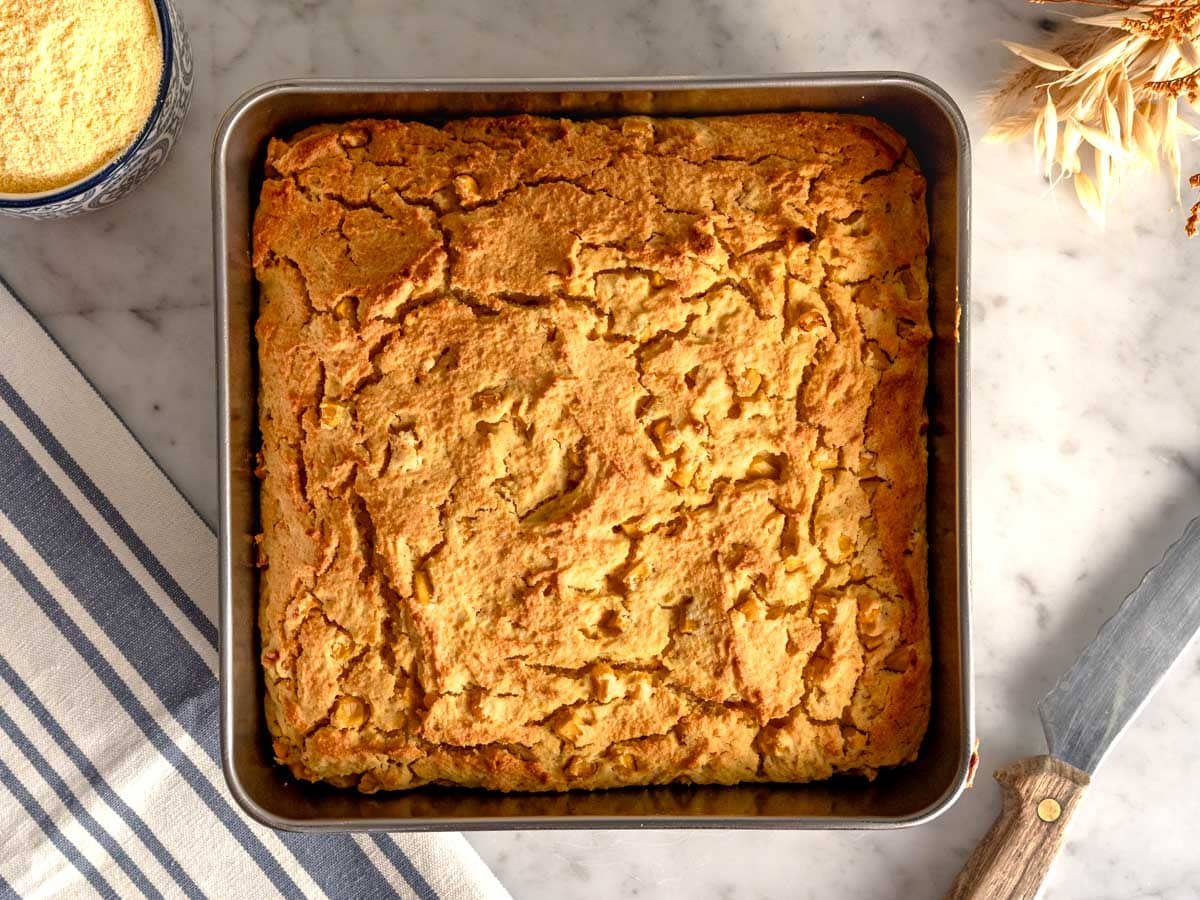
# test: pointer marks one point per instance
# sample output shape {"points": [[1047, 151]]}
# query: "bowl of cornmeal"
{"points": [[92, 97]]}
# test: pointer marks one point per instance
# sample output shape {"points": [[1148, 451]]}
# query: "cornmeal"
{"points": [[78, 79], [593, 452]]}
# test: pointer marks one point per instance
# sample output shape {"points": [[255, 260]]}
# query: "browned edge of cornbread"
{"points": [[593, 451]]}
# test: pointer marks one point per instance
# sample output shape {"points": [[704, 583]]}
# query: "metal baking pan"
{"points": [[931, 122]]}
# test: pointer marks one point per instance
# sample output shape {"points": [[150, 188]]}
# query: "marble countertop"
{"points": [[1086, 397]]}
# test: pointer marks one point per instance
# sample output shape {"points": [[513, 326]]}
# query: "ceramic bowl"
{"points": [[126, 171]]}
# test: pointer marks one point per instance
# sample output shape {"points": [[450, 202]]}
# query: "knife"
{"points": [[1082, 716]]}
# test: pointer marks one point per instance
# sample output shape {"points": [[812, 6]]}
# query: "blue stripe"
{"points": [[6, 891], [67, 796], [398, 858], [65, 847], [82, 561], [108, 512], [167, 662], [102, 788], [121, 691]]}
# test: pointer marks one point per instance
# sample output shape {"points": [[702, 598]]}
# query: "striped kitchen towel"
{"points": [[110, 776]]}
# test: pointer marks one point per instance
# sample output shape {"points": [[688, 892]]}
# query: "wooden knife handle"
{"points": [[1040, 794]]}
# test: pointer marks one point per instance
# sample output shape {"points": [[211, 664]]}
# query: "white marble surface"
{"points": [[1086, 397]]}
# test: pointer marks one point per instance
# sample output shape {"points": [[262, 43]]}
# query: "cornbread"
{"points": [[593, 452], [78, 79]]}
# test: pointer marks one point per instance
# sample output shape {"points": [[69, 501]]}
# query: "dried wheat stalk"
{"points": [[1113, 85]]}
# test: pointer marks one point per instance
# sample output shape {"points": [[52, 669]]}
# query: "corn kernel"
{"points": [[866, 464], [752, 608], [684, 473], [807, 560], [661, 432], [342, 649], [578, 767], [751, 382], [871, 641], [348, 712], [569, 730], [422, 587], [642, 689], [575, 460], [824, 608], [354, 137], [344, 309], [763, 466], [467, 188], [606, 685], [332, 414], [826, 457], [637, 127]]}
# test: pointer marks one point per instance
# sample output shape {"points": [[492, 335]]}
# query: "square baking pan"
{"points": [[908, 795]]}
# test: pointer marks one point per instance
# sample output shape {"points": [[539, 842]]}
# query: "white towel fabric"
{"points": [[110, 777]]}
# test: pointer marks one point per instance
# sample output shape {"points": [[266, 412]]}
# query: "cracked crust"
{"points": [[593, 452]]}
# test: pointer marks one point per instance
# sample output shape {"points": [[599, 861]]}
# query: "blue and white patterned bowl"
{"points": [[122, 174]]}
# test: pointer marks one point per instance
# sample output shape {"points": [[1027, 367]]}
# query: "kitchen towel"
{"points": [[110, 773]]}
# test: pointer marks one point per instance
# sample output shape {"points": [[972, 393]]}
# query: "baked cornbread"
{"points": [[593, 452]]}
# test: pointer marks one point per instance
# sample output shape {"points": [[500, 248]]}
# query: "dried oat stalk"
{"points": [[1110, 98], [1193, 222]]}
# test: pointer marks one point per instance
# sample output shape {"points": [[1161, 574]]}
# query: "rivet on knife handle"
{"points": [[1040, 794]]}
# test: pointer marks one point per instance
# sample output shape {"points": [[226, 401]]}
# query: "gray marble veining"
{"points": [[1086, 396]]}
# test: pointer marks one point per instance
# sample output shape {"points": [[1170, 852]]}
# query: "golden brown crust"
{"points": [[593, 452]]}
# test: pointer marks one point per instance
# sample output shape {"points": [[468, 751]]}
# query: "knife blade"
{"points": [[1082, 716], [1115, 675]]}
